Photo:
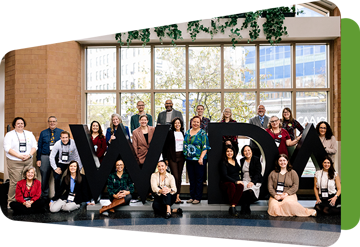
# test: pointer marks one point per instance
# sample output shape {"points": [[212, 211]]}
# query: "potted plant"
{"points": [[166, 22], [274, 27], [138, 24], [250, 15]]}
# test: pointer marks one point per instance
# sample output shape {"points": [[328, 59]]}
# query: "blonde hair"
{"points": [[223, 115], [111, 122]]}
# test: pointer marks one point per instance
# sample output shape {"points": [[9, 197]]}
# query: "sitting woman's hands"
{"points": [[240, 182], [333, 200], [251, 184], [283, 196], [277, 197], [27, 204], [165, 191]]}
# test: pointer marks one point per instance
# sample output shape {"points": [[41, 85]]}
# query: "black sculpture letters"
{"points": [[121, 146]]}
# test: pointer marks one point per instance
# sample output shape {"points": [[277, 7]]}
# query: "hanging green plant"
{"points": [[166, 22], [250, 15], [138, 24], [274, 27]]}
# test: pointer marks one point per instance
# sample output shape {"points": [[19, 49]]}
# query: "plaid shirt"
{"points": [[115, 184]]}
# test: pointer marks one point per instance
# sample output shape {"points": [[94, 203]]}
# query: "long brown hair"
{"points": [[277, 166], [331, 171], [78, 175], [101, 135], [291, 119]]}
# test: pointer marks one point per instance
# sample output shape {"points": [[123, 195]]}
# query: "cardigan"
{"points": [[229, 172], [330, 146], [254, 169], [21, 191], [81, 191], [139, 143], [169, 152], [101, 146], [291, 182], [169, 182]]}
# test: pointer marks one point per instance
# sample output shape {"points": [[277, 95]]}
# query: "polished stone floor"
{"points": [[259, 226]]}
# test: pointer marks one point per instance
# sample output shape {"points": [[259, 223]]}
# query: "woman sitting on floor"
{"points": [[119, 187], [27, 194], [283, 183], [164, 187]]}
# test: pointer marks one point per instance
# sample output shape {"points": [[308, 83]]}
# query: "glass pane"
{"points": [[311, 66], [100, 106], [170, 68], [240, 3], [311, 107], [178, 99], [208, 7], [275, 67], [239, 67], [245, 107], [309, 12], [101, 15], [211, 103], [271, 2], [162, 4], [204, 67], [275, 102], [99, 69], [138, 4], [135, 68], [128, 103]]}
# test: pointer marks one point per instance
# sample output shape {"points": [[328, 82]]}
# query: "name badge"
{"points": [[324, 193], [27, 199], [277, 142], [95, 147], [71, 197], [65, 156], [22, 147], [280, 188]]}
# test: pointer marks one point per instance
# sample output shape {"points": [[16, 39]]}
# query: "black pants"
{"points": [[248, 197], [58, 177], [36, 207], [160, 203], [325, 207]]}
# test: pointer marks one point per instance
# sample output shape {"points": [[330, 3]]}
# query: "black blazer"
{"points": [[254, 169], [169, 146], [81, 191]]}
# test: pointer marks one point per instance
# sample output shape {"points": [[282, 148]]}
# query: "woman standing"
{"points": [[27, 194], [119, 187], [173, 153], [327, 138], [116, 122], [327, 188], [226, 117], [204, 123], [98, 139], [283, 184], [163, 185], [196, 144], [280, 135], [252, 178], [231, 179], [73, 191], [290, 124], [142, 137], [20, 146]]}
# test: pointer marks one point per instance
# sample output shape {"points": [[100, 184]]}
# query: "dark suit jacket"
{"points": [[81, 190], [169, 147], [162, 117], [139, 143], [254, 169]]}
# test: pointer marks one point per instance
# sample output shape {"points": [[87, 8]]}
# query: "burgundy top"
{"points": [[234, 139], [282, 136], [101, 146], [22, 191]]}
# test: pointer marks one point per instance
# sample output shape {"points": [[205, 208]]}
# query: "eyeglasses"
{"points": [[274, 121], [227, 111]]}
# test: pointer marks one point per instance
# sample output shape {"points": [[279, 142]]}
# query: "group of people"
{"points": [[56, 152]]}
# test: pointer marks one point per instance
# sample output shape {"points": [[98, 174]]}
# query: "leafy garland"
{"points": [[273, 28]]}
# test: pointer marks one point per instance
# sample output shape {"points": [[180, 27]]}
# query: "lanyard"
{"points": [[29, 189], [321, 180], [18, 136], [284, 179]]}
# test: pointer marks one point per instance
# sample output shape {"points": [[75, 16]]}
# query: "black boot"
{"points": [[245, 209], [232, 211]]}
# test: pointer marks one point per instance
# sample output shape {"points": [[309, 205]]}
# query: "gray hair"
{"points": [[28, 169]]}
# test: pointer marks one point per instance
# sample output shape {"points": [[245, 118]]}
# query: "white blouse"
{"points": [[179, 141], [323, 179], [11, 141]]}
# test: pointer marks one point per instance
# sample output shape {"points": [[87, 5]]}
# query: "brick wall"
{"points": [[44, 81], [337, 85]]}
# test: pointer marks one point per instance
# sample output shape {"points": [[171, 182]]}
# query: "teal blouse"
{"points": [[194, 145]]}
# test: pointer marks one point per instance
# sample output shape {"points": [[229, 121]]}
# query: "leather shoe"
{"points": [[232, 211], [167, 216], [179, 211]]}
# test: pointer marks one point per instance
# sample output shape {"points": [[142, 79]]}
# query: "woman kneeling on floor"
{"points": [[119, 187], [74, 191], [164, 187], [283, 183], [27, 194]]}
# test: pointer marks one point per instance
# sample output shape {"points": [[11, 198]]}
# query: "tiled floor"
{"points": [[259, 226]]}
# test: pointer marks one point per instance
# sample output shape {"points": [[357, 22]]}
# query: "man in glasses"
{"points": [[165, 117], [134, 122], [262, 121]]}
